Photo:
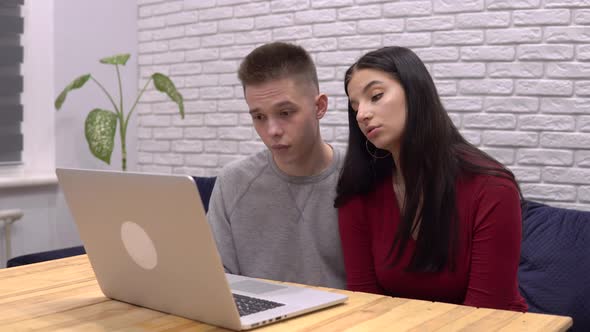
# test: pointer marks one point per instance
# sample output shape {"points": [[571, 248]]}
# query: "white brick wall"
{"points": [[514, 76]]}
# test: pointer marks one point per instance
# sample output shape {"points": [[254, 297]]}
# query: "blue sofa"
{"points": [[554, 271]]}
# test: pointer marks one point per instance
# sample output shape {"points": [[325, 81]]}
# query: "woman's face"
{"points": [[380, 105]]}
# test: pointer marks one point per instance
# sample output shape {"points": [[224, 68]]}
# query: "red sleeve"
{"points": [[495, 253], [355, 234]]}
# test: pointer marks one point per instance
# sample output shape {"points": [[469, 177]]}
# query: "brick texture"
{"points": [[513, 76]]}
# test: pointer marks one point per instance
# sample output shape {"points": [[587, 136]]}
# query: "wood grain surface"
{"points": [[63, 295]]}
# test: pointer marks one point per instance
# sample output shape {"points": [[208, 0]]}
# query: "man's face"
{"points": [[286, 114]]}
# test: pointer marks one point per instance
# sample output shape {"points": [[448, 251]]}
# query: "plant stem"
{"points": [[123, 145], [136, 101], [120, 89], [108, 95], [122, 123]]}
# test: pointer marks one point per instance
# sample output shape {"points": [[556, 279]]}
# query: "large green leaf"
{"points": [[119, 59], [76, 84], [100, 128], [164, 84]]}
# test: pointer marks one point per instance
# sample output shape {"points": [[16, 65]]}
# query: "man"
{"points": [[272, 213]]}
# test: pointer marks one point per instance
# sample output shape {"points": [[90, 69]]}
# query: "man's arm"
{"points": [[219, 219]]}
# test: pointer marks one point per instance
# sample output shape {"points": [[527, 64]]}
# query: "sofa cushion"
{"points": [[205, 186], [554, 271], [45, 256]]}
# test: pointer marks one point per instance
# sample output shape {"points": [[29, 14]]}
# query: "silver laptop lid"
{"points": [[131, 223]]}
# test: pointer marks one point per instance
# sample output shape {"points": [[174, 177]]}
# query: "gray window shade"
{"points": [[11, 81]]}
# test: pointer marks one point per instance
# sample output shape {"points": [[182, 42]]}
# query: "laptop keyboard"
{"points": [[250, 305]]}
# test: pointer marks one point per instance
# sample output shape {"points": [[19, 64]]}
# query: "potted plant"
{"points": [[101, 125]]}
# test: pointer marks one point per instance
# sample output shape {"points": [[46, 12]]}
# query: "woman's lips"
{"points": [[372, 131]]}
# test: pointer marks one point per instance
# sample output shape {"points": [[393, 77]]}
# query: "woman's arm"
{"points": [[495, 252], [356, 237]]}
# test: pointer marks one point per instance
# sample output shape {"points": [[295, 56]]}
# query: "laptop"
{"points": [[149, 243]]}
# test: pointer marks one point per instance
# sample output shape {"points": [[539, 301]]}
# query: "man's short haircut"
{"points": [[277, 60]]}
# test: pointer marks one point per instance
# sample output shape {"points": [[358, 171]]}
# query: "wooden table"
{"points": [[64, 295]]}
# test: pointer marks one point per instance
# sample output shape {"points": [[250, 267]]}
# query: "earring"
{"points": [[372, 154]]}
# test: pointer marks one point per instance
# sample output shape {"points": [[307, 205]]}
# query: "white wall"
{"points": [[31, 186], [512, 74], [64, 39], [86, 31]]}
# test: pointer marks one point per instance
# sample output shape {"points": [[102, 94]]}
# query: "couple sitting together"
{"points": [[411, 209]]}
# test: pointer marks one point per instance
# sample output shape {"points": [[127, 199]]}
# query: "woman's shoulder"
{"points": [[480, 194], [482, 179], [474, 185]]}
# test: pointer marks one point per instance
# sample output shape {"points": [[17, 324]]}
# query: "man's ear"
{"points": [[321, 103]]}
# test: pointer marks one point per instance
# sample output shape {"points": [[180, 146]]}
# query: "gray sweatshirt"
{"points": [[270, 225]]}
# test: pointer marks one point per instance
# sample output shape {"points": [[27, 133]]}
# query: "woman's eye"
{"points": [[284, 113], [376, 97]]}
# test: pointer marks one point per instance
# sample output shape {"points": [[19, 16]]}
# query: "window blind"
{"points": [[11, 81]]}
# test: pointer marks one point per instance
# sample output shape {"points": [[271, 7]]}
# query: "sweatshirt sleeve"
{"points": [[219, 219], [356, 241], [495, 253]]}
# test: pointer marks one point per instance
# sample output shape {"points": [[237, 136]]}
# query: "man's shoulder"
{"points": [[245, 168], [340, 154]]}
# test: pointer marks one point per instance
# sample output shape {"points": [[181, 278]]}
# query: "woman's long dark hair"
{"points": [[432, 155]]}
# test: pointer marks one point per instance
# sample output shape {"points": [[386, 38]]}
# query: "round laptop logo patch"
{"points": [[139, 245]]}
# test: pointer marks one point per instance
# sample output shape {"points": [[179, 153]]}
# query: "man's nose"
{"points": [[274, 128]]}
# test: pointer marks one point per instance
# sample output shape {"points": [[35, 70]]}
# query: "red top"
{"points": [[487, 257]]}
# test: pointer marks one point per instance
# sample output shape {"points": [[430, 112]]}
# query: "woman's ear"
{"points": [[321, 104]]}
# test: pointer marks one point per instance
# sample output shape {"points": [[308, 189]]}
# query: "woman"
{"points": [[422, 213]]}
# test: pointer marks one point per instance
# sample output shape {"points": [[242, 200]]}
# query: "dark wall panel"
{"points": [[11, 81]]}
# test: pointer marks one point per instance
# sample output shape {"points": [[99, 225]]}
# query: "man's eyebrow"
{"points": [[279, 105], [283, 104]]}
